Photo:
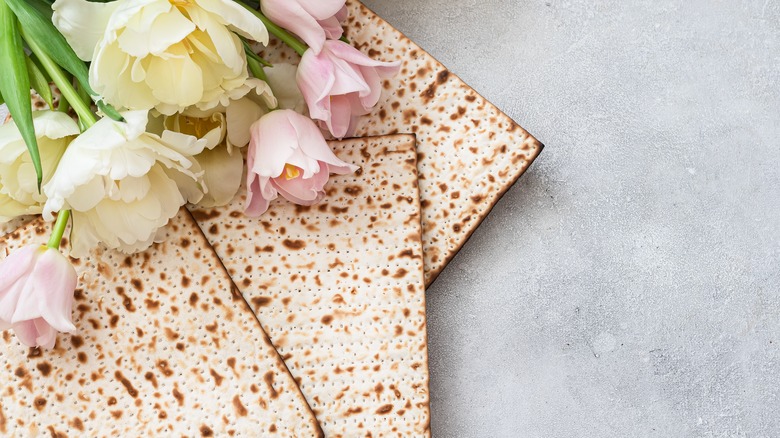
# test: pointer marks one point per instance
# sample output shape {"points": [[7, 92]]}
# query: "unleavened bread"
{"points": [[165, 346], [339, 288], [469, 152]]}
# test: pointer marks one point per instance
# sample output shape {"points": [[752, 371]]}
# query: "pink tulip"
{"points": [[312, 20], [340, 84], [36, 295], [289, 156]]}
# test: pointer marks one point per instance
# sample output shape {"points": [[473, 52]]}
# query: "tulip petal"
{"points": [[274, 140], [226, 45], [49, 294], [332, 27], [313, 145], [83, 23], [259, 195], [322, 9], [169, 27], [222, 175], [348, 78], [177, 81], [281, 78], [49, 125], [342, 15], [305, 18], [88, 195], [11, 209], [341, 170], [11, 143], [238, 18], [83, 236], [27, 333], [315, 79], [192, 189], [346, 52], [14, 271], [19, 193], [47, 335], [340, 116], [292, 16], [54, 124], [241, 115], [300, 190]]}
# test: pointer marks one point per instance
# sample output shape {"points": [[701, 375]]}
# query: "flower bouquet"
{"points": [[161, 103]]}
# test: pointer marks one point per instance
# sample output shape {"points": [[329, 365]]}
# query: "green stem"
{"points": [[277, 31], [63, 106], [83, 93], [59, 229], [63, 83]]}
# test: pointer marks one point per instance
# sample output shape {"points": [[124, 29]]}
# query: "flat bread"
{"points": [[166, 346], [469, 152], [339, 288], [14, 224]]}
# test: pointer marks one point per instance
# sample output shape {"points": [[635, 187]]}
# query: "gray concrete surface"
{"points": [[628, 285]]}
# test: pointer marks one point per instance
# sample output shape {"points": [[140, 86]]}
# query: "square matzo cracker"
{"points": [[339, 288]]}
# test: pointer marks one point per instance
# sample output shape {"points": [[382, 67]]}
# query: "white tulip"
{"points": [[161, 54], [19, 193], [222, 164], [281, 78], [123, 184], [225, 129]]}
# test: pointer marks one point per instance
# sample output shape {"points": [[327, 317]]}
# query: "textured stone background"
{"points": [[629, 284]]}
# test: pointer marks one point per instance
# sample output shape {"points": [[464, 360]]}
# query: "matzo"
{"points": [[469, 152], [339, 288], [166, 346], [14, 224]]}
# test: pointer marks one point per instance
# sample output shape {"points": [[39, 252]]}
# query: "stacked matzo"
{"points": [[339, 288], [469, 152]]}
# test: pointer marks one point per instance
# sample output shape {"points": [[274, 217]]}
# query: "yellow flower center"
{"points": [[181, 3], [194, 126], [291, 172]]}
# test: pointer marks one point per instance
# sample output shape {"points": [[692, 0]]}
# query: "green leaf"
{"points": [[110, 111], [251, 53], [2, 101], [39, 82], [43, 6], [39, 27], [35, 16], [15, 83], [80, 104]]}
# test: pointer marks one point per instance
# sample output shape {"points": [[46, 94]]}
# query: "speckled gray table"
{"points": [[629, 285]]}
